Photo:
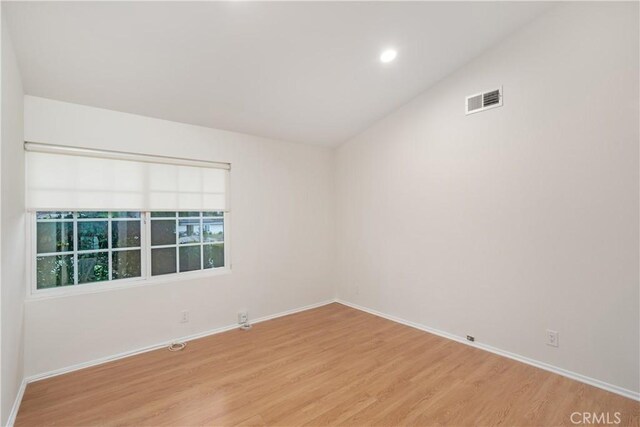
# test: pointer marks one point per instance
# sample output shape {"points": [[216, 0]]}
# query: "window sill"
{"points": [[92, 288]]}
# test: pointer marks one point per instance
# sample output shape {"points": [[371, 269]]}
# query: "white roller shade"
{"points": [[65, 178]]}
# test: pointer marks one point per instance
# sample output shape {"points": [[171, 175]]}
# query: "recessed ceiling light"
{"points": [[388, 55]]}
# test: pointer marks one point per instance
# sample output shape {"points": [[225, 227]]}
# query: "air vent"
{"points": [[491, 98], [474, 103], [483, 101]]}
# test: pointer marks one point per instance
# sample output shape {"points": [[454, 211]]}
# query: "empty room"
{"points": [[320, 213]]}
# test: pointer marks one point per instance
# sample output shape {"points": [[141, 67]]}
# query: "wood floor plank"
{"points": [[328, 366]]}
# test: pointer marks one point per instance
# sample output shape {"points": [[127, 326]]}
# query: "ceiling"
{"points": [[296, 71]]}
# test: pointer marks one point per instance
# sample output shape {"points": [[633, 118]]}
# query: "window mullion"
{"points": [[177, 242], [75, 248], [144, 245], [147, 242], [110, 244]]}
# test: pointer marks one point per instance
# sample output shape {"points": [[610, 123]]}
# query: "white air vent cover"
{"points": [[483, 101]]}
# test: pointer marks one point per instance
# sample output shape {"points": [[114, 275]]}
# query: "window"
{"points": [[76, 248], [186, 241], [105, 218]]}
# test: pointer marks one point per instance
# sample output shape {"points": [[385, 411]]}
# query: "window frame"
{"points": [[145, 278]]}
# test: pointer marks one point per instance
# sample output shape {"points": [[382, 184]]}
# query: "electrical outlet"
{"points": [[553, 338], [243, 317], [185, 317]]}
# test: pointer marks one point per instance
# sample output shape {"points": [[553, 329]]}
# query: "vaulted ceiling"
{"points": [[297, 71]]}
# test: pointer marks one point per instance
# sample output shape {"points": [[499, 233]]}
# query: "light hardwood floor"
{"points": [[328, 366]]}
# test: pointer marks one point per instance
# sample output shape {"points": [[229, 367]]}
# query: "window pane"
{"points": [[125, 234], [190, 258], [54, 237], [126, 264], [93, 267], [92, 235], [213, 256], [54, 215], [52, 271], [213, 230], [93, 214], [163, 261], [55, 233], [163, 214], [163, 232], [189, 230], [125, 214]]}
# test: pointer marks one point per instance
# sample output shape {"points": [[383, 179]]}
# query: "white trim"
{"points": [[101, 360], [16, 404], [33, 293], [122, 284], [569, 374], [542, 365], [121, 155]]}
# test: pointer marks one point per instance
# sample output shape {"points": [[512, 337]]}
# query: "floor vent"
{"points": [[483, 101]]}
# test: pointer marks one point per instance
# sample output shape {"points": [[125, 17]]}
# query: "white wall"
{"points": [[281, 238], [12, 230], [500, 224], [508, 222]]}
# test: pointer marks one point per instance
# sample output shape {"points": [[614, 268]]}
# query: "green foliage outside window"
{"points": [[84, 247]]}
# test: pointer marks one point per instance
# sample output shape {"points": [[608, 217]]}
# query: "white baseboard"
{"points": [[16, 404], [99, 361], [542, 365], [569, 374], [122, 355]]}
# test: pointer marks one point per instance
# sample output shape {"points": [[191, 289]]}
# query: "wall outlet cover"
{"points": [[243, 317], [553, 338]]}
